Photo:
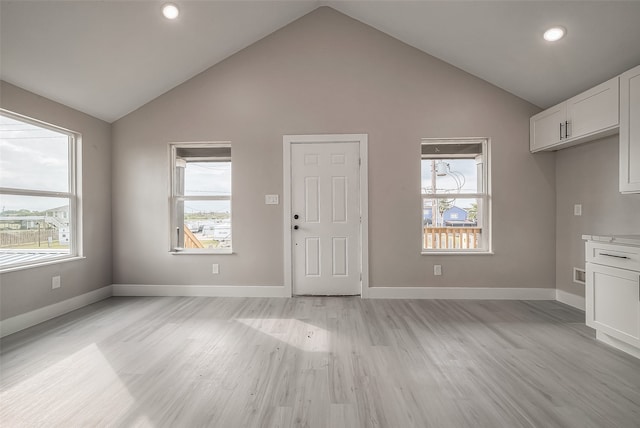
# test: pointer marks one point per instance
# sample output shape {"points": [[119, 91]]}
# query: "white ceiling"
{"points": [[108, 58]]}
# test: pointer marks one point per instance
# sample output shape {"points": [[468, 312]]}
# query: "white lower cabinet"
{"points": [[613, 294], [614, 302]]}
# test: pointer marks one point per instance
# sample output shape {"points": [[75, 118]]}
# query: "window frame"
{"points": [[174, 198], [73, 194], [485, 195]]}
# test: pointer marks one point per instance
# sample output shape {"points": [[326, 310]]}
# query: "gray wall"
{"points": [[588, 174], [25, 290], [306, 79], [327, 73]]}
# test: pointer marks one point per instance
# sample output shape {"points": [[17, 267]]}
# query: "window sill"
{"points": [[182, 252], [457, 253], [41, 264]]}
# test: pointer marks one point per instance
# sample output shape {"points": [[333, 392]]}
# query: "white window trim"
{"points": [[487, 240], [74, 195], [173, 249], [52, 261]]}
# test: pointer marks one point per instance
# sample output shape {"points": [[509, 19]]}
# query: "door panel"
{"points": [[325, 196], [340, 261], [312, 256], [312, 199], [339, 199]]}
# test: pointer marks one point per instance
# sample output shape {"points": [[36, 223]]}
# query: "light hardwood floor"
{"points": [[316, 362]]}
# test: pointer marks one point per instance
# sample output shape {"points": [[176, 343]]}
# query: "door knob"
{"points": [[296, 227], [296, 216]]}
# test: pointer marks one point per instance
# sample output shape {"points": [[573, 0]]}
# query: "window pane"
{"points": [[201, 190], [207, 178], [33, 228], [451, 176], [32, 157], [206, 224], [451, 223]]}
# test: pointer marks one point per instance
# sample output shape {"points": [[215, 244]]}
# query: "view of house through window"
{"points": [[455, 196], [37, 192], [201, 197]]}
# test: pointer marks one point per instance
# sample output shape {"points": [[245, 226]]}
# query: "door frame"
{"points": [[362, 140]]}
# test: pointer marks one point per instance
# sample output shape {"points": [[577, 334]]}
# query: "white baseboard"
{"points": [[577, 302], [29, 319], [471, 293], [618, 344], [373, 292], [200, 290]]}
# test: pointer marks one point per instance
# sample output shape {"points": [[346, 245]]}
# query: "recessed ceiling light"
{"points": [[554, 34], [170, 11]]}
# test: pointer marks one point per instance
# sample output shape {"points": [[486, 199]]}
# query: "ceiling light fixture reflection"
{"points": [[170, 11], [554, 34]]}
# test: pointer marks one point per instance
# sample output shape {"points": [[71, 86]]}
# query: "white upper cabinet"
{"points": [[630, 131], [590, 115], [593, 111], [547, 127]]}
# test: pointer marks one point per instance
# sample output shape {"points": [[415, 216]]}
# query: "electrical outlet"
{"points": [[55, 282], [437, 270], [577, 209], [215, 268]]}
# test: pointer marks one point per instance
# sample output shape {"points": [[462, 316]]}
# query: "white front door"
{"points": [[325, 218]]}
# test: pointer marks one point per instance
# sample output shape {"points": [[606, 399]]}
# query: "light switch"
{"points": [[215, 269], [577, 209], [271, 199]]}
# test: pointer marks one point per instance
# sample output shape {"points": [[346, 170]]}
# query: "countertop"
{"points": [[614, 239]]}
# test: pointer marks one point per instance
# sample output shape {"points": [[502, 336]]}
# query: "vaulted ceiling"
{"points": [[107, 58]]}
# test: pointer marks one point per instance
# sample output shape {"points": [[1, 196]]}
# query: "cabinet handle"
{"points": [[613, 255], [566, 129], [561, 130]]}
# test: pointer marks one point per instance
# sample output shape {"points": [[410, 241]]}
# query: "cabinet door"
{"points": [[630, 131], [613, 302], [545, 128], [593, 111]]}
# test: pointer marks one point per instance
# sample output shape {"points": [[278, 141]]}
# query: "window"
{"points": [[38, 197], [456, 202], [201, 197]]}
